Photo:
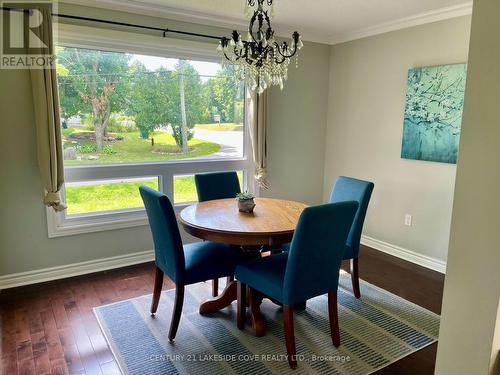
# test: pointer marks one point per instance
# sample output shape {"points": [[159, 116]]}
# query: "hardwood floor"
{"points": [[50, 328]]}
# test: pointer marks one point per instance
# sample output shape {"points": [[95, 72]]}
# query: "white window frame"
{"points": [[58, 224]]}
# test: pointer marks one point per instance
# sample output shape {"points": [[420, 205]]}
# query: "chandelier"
{"points": [[261, 60]]}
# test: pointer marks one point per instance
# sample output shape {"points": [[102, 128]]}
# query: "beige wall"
{"points": [[296, 134], [364, 130], [24, 245], [472, 286]]}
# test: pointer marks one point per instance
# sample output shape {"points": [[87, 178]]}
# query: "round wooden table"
{"points": [[272, 222]]}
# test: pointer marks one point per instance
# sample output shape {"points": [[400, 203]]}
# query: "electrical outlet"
{"points": [[408, 220]]}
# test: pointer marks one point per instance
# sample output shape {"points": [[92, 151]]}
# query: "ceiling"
{"points": [[326, 21]]}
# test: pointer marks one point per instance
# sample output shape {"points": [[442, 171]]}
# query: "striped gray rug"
{"points": [[376, 330]]}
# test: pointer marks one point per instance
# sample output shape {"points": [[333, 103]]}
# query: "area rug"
{"points": [[375, 331]]}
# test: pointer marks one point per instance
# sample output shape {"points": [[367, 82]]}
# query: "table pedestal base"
{"points": [[223, 300], [230, 294], [258, 326]]}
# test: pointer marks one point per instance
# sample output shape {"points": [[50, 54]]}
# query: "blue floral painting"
{"points": [[433, 113]]}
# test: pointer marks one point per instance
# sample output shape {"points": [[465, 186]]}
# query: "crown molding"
{"points": [[148, 8], [403, 23], [154, 9], [190, 16]]}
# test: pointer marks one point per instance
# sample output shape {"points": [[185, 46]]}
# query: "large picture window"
{"points": [[130, 118]]}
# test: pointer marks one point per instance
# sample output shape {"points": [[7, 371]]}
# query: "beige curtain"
{"points": [[47, 122], [257, 120]]}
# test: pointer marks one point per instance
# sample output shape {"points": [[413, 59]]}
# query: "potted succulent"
{"points": [[245, 202]]}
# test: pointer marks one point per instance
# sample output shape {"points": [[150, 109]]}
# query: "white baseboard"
{"points": [[75, 269], [409, 255]]}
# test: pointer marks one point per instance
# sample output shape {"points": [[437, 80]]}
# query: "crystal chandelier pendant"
{"points": [[260, 59]]}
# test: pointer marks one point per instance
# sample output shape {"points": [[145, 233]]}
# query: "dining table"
{"points": [[272, 222]]}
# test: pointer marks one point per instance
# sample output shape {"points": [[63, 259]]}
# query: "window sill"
{"points": [[61, 226]]}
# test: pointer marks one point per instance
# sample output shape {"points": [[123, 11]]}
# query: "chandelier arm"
{"points": [[278, 61], [245, 55], [290, 55], [278, 48], [277, 52], [228, 58], [235, 51], [238, 54]]}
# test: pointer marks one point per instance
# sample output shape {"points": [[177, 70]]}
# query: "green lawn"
{"points": [[131, 148], [105, 197], [124, 195], [184, 189], [228, 127]]}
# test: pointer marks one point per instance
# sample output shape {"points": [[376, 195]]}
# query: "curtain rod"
{"points": [[164, 31]]}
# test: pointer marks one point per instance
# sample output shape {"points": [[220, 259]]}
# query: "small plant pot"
{"points": [[246, 205]]}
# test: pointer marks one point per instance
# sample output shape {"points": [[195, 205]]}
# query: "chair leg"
{"points": [[176, 313], [242, 305], [156, 290], [215, 287], [289, 335], [334, 318], [355, 277]]}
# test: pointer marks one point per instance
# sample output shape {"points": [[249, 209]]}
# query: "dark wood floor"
{"points": [[49, 328]]}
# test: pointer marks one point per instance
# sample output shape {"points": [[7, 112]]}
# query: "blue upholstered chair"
{"points": [[309, 269], [217, 185], [185, 265], [351, 189]]}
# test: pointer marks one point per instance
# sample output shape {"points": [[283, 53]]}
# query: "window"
{"points": [[132, 118], [185, 189]]}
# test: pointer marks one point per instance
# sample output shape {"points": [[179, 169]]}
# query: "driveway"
{"points": [[231, 142]]}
